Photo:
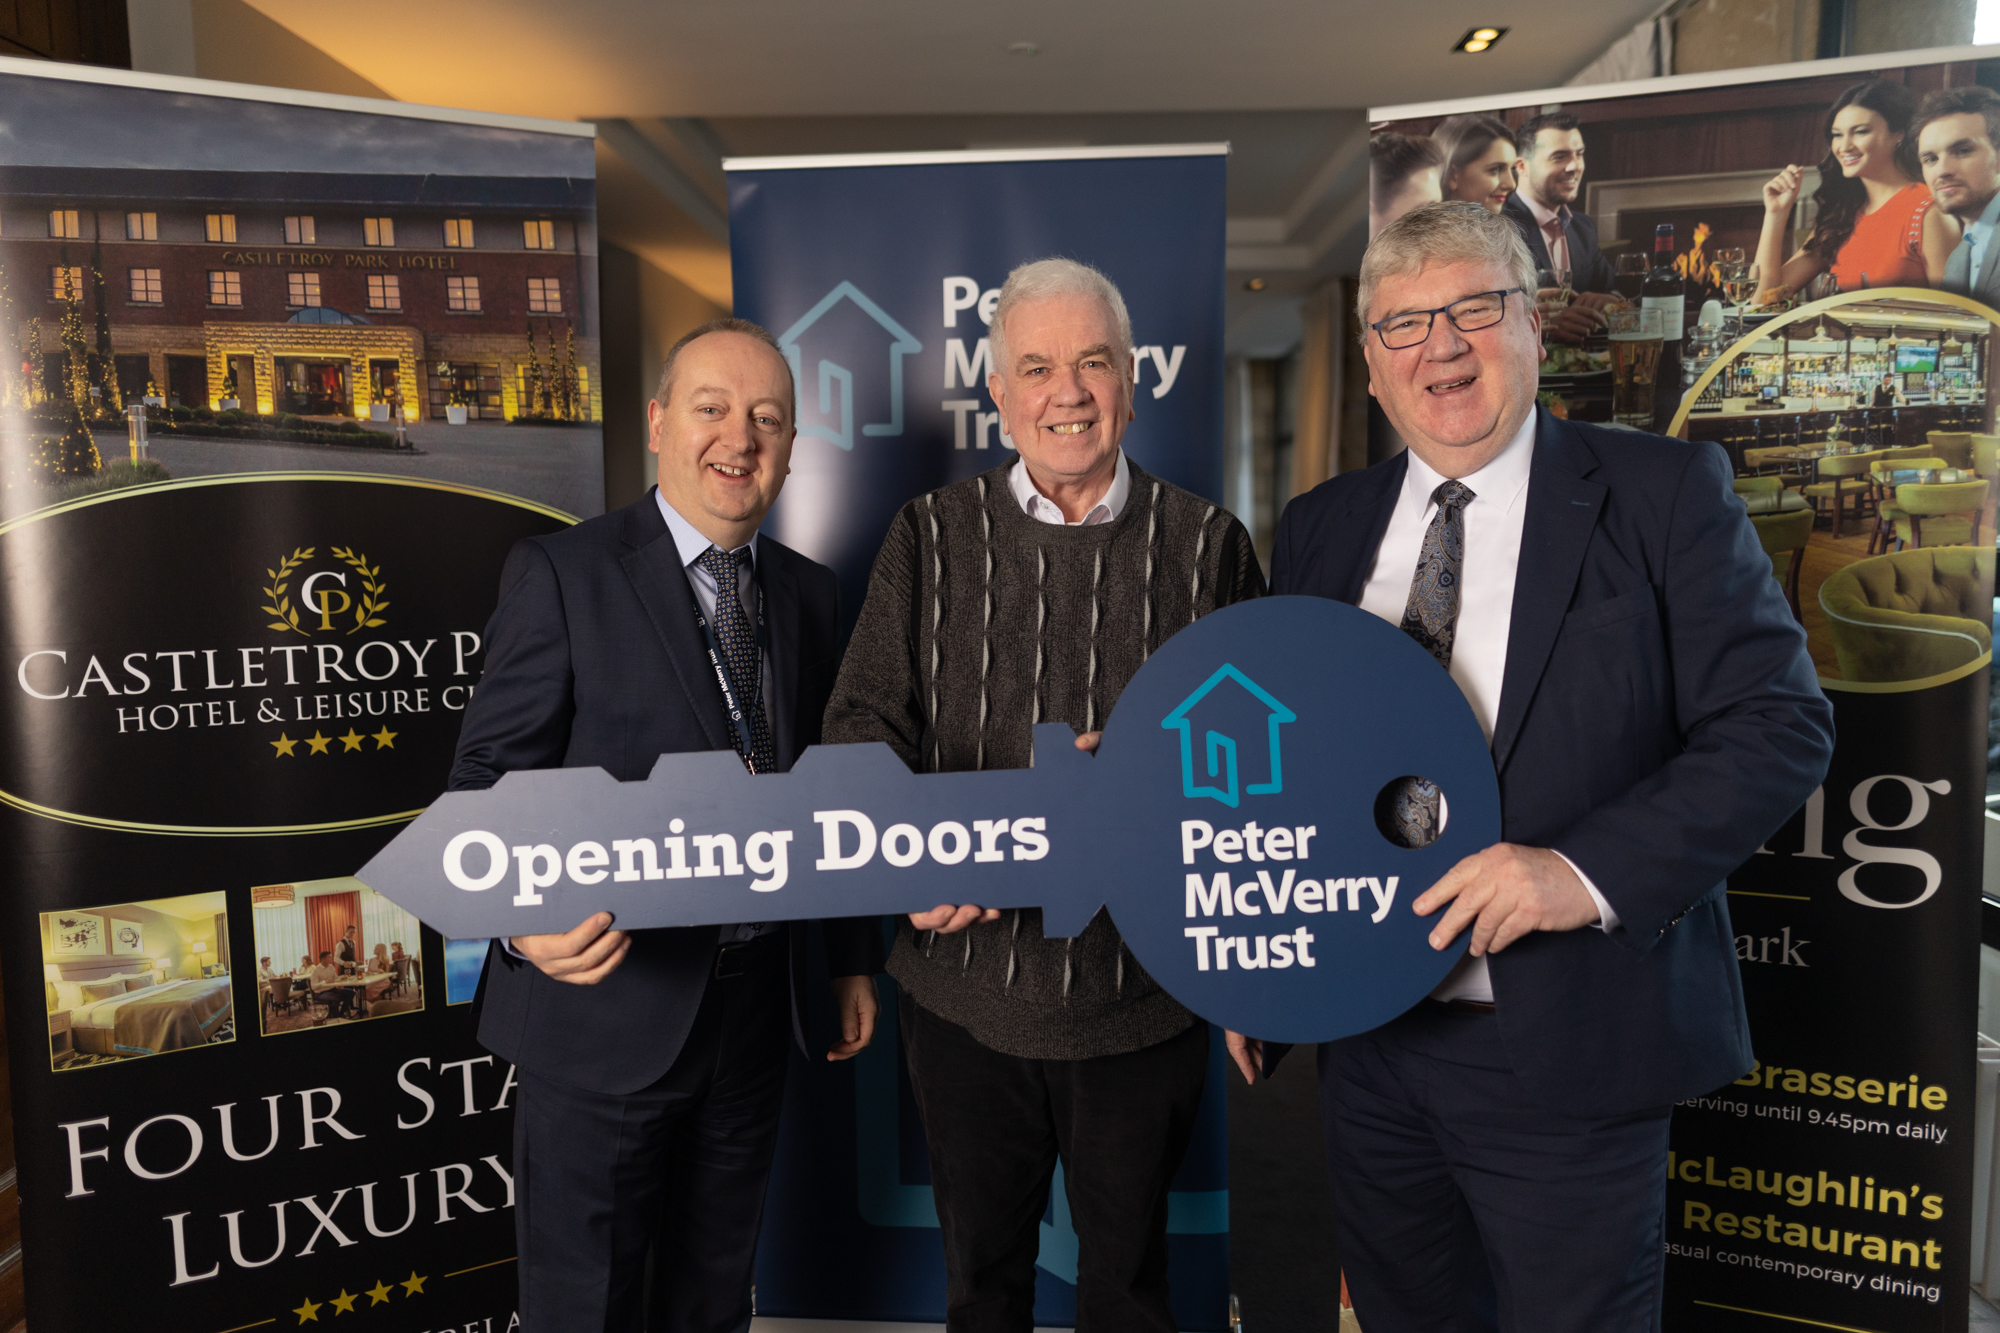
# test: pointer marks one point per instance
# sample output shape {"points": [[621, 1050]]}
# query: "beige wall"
{"points": [[652, 308], [1733, 34], [234, 42]]}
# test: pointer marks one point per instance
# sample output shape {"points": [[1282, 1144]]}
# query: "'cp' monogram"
{"points": [[322, 601]]}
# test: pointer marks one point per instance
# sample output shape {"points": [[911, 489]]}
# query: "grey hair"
{"points": [[1453, 232], [1043, 278]]}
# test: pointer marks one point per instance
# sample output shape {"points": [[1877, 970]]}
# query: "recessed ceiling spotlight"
{"points": [[1023, 49], [1479, 39], [1254, 285]]}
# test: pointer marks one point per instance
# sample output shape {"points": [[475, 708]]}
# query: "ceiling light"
{"points": [[1023, 49], [1254, 285], [1479, 39]]}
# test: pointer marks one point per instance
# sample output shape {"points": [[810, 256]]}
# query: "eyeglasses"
{"points": [[1468, 315]]}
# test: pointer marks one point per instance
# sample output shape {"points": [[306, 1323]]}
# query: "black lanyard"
{"points": [[730, 691]]}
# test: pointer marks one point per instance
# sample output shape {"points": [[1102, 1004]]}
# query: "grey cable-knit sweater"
{"points": [[980, 622]]}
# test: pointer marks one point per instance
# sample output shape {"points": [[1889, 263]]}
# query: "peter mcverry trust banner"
{"points": [[1834, 1185], [245, 1094]]}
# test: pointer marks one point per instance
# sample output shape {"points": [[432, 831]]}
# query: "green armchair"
{"points": [[1785, 537], [1910, 614], [1940, 513], [1954, 446]]}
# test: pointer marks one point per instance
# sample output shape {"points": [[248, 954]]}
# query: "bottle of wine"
{"points": [[1666, 291]]}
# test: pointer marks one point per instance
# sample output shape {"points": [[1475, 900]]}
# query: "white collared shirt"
{"points": [[1043, 509], [1979, 235], [1493, 524], [1554, 235]]}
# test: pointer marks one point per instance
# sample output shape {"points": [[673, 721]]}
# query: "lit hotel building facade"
{"points": [[324, 292]]}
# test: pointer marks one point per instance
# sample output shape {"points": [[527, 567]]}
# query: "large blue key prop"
{"points": [[1228, 822]]}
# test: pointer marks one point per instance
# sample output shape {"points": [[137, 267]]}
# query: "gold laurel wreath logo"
{"points": [[374, 593], [280, 595]]}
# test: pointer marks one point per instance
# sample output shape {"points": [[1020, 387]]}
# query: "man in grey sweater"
{"points": [[1032, 593]]}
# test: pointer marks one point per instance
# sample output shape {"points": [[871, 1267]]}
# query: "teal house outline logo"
{"points": [[1220, 750], [829, 373]]}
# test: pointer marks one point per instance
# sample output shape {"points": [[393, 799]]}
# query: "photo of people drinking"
{"points": [[1800, 271], [333, 951]]}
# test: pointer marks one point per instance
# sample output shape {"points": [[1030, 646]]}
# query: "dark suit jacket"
{"points": [[1589, 270], [593, 657], [1659, 718]]}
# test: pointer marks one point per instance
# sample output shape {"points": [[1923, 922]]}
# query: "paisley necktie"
{"points": [[1431, 618]]}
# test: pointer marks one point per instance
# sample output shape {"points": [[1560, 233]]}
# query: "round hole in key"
{"points": [[1411, 812]]}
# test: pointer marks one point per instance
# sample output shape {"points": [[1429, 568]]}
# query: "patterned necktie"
{"points": [[739, 654], [1431, 618]]}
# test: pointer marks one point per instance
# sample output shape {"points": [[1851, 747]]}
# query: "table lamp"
{"points": [[200, 948]]}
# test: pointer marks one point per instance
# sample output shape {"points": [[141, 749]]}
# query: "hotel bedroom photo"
{"points": [[136, 979]]}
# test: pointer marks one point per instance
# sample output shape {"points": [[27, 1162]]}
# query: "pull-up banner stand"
{"points": [[879, 274]]}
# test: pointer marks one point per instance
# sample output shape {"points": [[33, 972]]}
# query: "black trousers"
{"points": [[1462, 1205], [678, 1167], [997, 1125]]}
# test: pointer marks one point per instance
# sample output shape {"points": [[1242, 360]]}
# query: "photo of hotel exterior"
{"points": [[325, 294]]}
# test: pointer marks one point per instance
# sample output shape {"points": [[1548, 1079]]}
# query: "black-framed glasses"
{"points": [[1468, 314]]}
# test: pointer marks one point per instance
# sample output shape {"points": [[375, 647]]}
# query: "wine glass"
{"points": [[1731, 266], [1629, 275]]}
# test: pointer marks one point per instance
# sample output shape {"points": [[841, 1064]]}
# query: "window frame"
{"points": [[538, 233], [148, 226], [56, 281], [549, 287], [390, 285], [301, 229], [230, 284], [458, 234], [219, 228], [457, 302], [304, 284], [379, 233], [152, 282]]}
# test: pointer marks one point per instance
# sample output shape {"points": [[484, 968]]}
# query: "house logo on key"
{"points": [[1234, 711]]}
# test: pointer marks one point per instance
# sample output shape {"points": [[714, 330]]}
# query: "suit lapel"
{"points": [[1364, 521], [653, 564], [1531, 231], [1958, 268], [781, 590], [1563, 510]]}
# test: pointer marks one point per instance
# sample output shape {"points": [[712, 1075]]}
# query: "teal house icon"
{"points": [[1232, 714], [874, 343]]}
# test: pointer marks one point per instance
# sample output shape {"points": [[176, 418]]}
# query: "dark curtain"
{"points": [[328, 915]]}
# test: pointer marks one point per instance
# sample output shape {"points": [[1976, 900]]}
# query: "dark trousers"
{"points": [[1461, 1204], [997, 1125], [678, 1167]]}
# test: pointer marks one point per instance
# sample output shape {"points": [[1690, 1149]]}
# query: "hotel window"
{"points": [[142, 226], [146, 286], [301, 289], [225, 287], [222, 227], [462, 294], [62, 224], [300, 231], [378, 231], [458, 233], [539, 235], [66, 282], [385, 292], [544, 296]]}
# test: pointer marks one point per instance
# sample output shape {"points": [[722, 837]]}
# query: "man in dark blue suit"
{"points": [[1499, 1152], [652, 1064]]}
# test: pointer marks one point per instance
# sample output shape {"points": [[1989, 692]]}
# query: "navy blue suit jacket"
{"points": [[593, 658], [1589, 270], [1659, 718]]}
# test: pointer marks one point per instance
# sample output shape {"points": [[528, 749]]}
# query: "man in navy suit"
{"points": [[1559, 237], [652, 1064], [1499, 1151]]}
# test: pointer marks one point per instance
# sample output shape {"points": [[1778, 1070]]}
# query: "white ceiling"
{"points": [[1285, 82]]}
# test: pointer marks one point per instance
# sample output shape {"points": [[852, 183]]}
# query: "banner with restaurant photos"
{"points": [[1833, 1186], [266, 436]]}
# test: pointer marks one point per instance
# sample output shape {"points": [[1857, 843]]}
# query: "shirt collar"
{"points": [[1040, 507], [1543, 217], [1499, 483], [687, 540]]}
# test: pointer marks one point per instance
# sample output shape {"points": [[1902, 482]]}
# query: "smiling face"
{"points": [[1554, 168], [1066, 392], [1456, 397], [724, 435], [1488, 179], [1863, 144], [1961, 165]]}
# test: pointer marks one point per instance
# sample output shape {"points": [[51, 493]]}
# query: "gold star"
{"points": [[378, 1293], [284, 745], [352, 740], [415, 1285], [310, 1310], [344, 1303], [384, 739], [319, 742]]}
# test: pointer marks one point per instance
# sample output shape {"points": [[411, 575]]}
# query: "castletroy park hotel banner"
{"points": [[246, 1090]]}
